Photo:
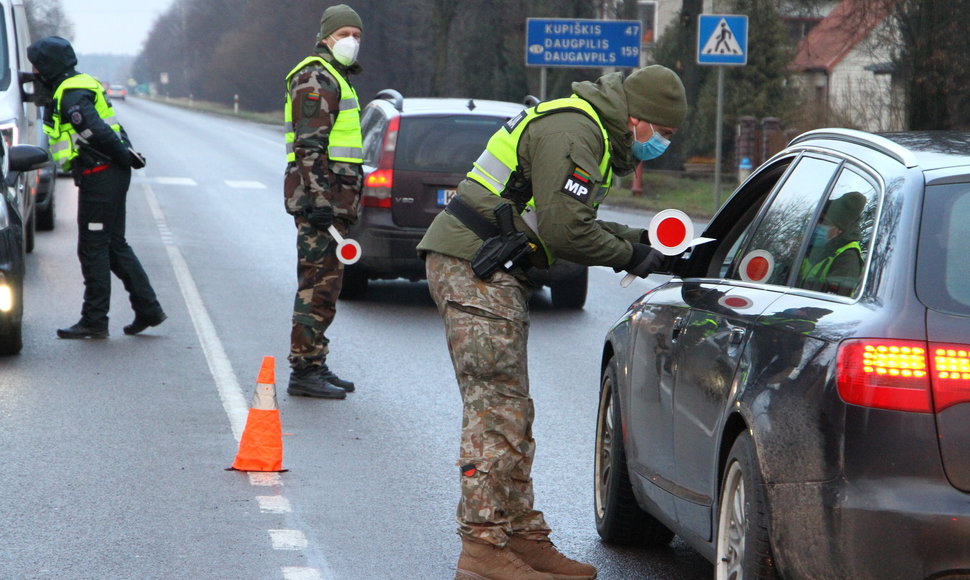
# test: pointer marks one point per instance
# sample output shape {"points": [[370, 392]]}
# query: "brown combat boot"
{"points": [[543, 556], [479, 561]]}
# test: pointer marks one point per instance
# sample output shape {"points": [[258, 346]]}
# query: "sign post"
{"points": [[581, 43], [722, 39]]}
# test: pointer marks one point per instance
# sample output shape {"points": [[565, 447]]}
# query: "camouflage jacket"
{"points": [[550, 151], [314, 180]]}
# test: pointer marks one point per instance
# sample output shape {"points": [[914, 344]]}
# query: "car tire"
{"points": [[45, 216], [29, 229], [570, 294], [619, 519], [354, 285], [743, 544]]}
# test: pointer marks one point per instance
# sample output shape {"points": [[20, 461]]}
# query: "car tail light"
{"points": [[903, 375], [950, 364], [884, 374], [378, 184]]}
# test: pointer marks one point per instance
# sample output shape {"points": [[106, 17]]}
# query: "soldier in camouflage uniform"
{"points": [[554, 164], [322, 189]]}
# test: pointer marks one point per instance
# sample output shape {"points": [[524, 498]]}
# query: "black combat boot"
{"points": [[308, 382], [142, 322], [82, 330], [329, 376]]}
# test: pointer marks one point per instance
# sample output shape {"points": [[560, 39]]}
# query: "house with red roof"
{"points": [[845, 68]]}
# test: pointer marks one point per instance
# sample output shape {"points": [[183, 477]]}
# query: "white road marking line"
{"points": [[229, 391], [246, 184], [288, 539], [296, 573], [264, 479], [172, 181], [233, 402], [273, 504]]}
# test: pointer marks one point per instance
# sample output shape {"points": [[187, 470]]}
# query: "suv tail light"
{"points": [[903, 375], [377, 185], [951, 374]]}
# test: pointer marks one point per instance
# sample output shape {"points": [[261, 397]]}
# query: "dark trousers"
{"points": [[102, 248]]}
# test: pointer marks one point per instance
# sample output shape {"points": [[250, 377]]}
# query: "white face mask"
{"points": [[345, 50]]}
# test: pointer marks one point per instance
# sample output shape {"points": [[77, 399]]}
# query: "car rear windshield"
{"points": [[448, 144], [943, 263]]}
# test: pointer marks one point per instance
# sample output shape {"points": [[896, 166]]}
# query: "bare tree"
{"points": [[47, 18]]}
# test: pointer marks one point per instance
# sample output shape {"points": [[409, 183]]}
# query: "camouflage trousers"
{"points": [[487, 328], [319, 277]]}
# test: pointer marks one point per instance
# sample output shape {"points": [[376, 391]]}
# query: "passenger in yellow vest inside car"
{"points": [[530, 198], [322, 188], [834, 260], [87, 139]]}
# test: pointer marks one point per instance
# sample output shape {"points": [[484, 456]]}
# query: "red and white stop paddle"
{"points": [[757, 266], [671, 232], [348, 250]]}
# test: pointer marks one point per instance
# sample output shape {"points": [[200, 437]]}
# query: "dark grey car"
{"points": [[416, 151], [790, 428]]}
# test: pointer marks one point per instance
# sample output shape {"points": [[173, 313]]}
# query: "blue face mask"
{"points": [[820, 236], [651, 148]]}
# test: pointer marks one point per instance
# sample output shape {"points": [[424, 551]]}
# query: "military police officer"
{"points": [[322, 189], [86, 138], [551, 166]]}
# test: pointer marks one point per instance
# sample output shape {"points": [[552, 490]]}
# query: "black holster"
{"points": [[502, 247]]}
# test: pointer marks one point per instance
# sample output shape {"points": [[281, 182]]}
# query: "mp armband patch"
{"points": [[578, 184]]}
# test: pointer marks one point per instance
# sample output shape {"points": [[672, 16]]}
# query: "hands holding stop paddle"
{"points": [[671, 232]]}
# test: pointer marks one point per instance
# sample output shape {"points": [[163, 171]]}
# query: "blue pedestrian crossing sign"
{"points": [[722, 39]]}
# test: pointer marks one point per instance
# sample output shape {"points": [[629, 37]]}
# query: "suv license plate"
{"points": [[445, 195]]}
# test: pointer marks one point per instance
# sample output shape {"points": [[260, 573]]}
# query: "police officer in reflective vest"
{"points": [[532, 197], [86, 138], [322, 188]]}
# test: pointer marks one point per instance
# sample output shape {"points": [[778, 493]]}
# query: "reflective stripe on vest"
{"points": [[495, 165], [63, 138], [345, 143], [819, 273]]}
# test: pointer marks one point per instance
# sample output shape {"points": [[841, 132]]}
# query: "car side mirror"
{"points": [[28, 157], [27, 87]]}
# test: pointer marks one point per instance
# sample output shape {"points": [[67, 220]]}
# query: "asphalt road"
{"points": [[114, 452]]}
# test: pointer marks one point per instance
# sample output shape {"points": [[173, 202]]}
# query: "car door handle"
{"points": [[679, 324], [737, 335]]}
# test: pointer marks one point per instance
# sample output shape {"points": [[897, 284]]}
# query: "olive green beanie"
{"points": [[655, 94], [335, 18], [844, 212]]}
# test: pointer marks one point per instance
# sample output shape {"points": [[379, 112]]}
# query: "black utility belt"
{"points": [[502, 246]]}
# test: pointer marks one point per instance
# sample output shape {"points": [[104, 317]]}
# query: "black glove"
{"points": [[135, 159], [644, 260], [320, 217]]}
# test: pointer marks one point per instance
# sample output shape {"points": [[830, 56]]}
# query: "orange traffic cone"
{"points": [[261, 445]]}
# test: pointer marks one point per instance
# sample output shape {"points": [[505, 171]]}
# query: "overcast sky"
{"points": [[113, 26]]}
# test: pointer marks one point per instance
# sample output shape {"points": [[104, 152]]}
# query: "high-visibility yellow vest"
{"points": [[346, 143], [818, 273], [63, 138], [494, 167]]}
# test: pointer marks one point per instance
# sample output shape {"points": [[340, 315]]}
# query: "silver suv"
{"points": [[416, 151]]}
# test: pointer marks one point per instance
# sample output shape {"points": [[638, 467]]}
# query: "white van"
{"points": [[19, 180]]}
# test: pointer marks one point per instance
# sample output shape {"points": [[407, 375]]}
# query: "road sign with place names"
{"points": [[582, 43], [722, 39]]}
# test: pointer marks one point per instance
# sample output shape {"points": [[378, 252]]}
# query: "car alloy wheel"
{"points": [[619, 518], [743, 545]]}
